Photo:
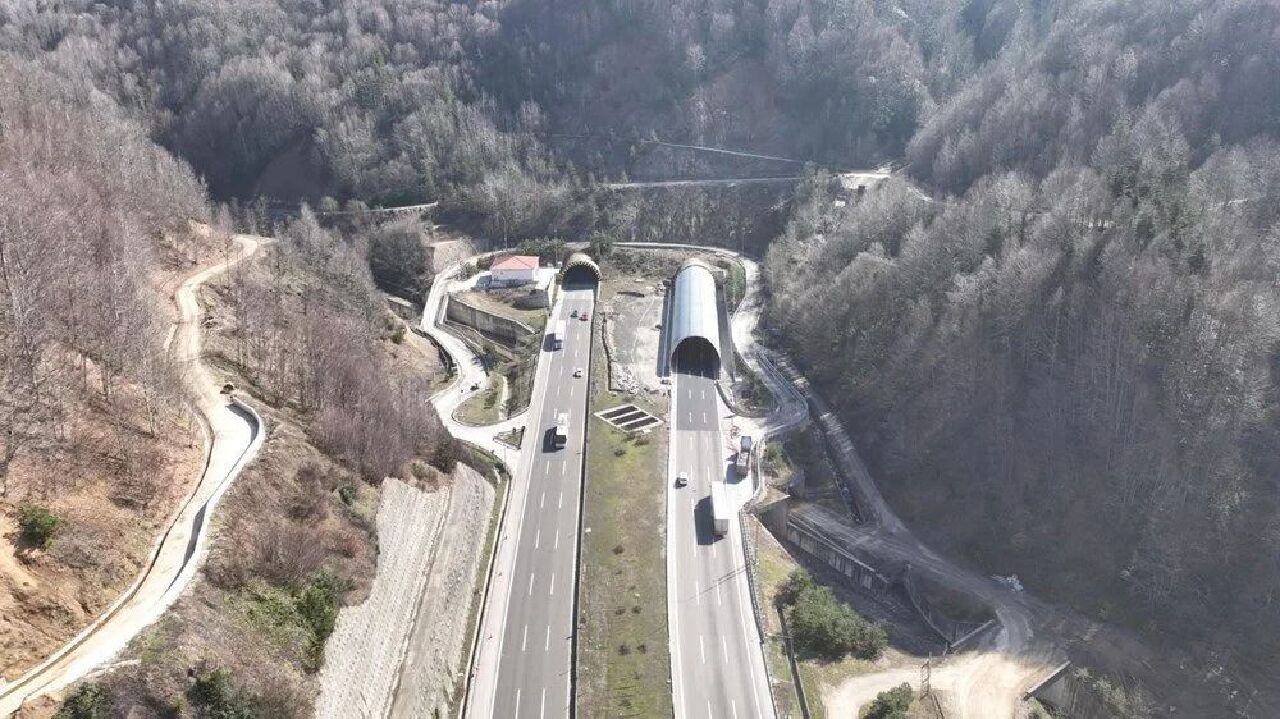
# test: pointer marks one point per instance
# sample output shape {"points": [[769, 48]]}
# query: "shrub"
{"points": [[214, 697], [823, 625], [38, 525], [317, 608], [797, 583], [891, 704], [87, 703]]}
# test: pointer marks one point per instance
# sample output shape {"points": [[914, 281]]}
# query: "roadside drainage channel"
{"points": [[629, 418]]}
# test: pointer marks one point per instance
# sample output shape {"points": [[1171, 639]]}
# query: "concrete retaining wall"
{"points": [[858, 572], [462, 312], [952, 631]]}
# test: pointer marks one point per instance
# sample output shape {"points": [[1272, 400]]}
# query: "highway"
{"points": [[536, 639], [717, 663]]}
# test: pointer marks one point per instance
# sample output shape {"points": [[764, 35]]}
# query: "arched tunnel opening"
{"points": [[580, 277], [696, 356]]}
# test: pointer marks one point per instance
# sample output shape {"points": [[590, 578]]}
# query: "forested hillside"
{"points": [[1071, 366], [96, 443], [1055, 334]]}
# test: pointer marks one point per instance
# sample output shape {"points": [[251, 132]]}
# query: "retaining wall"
{"points": [[464, 313]]}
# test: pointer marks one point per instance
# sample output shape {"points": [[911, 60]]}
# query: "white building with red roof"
{"points": [[514, 270]]}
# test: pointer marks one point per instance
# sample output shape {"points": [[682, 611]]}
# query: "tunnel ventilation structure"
{"points": [[695, 321], [581, 271]]}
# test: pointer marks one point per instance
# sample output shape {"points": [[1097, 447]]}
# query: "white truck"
{"points": [[719, 508], [560, 433], [557, 334]]}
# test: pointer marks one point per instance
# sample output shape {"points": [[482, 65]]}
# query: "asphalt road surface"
{"points": [[535, 663], [717, 663]]}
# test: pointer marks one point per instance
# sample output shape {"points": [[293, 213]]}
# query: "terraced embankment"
{"points": [[401, 652]]}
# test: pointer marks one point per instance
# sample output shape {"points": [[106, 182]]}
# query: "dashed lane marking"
{"points": [[702, 649], [553, 584], [524, 638], [531, 576]]}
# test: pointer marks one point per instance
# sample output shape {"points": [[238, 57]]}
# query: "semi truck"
{"points": [[719, 508], [557, 335]]}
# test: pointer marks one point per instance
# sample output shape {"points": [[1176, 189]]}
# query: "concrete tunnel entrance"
{"points": [[580, 273], [696, 356]]}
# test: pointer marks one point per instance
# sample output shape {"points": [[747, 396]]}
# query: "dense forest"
{"points": [[1070, 366], [1060, 316]]}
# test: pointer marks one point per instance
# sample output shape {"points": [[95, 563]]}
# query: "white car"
{"points": [[577, 372]]}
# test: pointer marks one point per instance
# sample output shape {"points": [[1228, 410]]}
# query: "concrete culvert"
{"points": [[580, 271]]}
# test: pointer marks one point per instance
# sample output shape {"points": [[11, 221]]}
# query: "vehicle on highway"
{"points": [[573, 313], [742, 462], [577, 372], [682, 479], [719, 508], [585, 316], [556, 338], [558, 435]]}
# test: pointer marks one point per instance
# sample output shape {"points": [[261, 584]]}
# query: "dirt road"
{"points": [[234, 432]]}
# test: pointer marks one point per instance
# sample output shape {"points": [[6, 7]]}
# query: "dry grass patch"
{"points": [[623, 661]]}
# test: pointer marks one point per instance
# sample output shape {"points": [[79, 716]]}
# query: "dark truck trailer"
{"points": [[742, 462]]}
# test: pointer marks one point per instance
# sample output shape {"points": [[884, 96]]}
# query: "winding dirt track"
{"points": [[234, 435]]}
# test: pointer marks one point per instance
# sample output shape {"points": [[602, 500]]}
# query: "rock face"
{"points": [[401, 651], [442, 253]]}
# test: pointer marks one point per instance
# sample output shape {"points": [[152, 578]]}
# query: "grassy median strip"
{"points": [[624, 668]]}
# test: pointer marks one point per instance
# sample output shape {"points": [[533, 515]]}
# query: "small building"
{"points": [[514, 270]]}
